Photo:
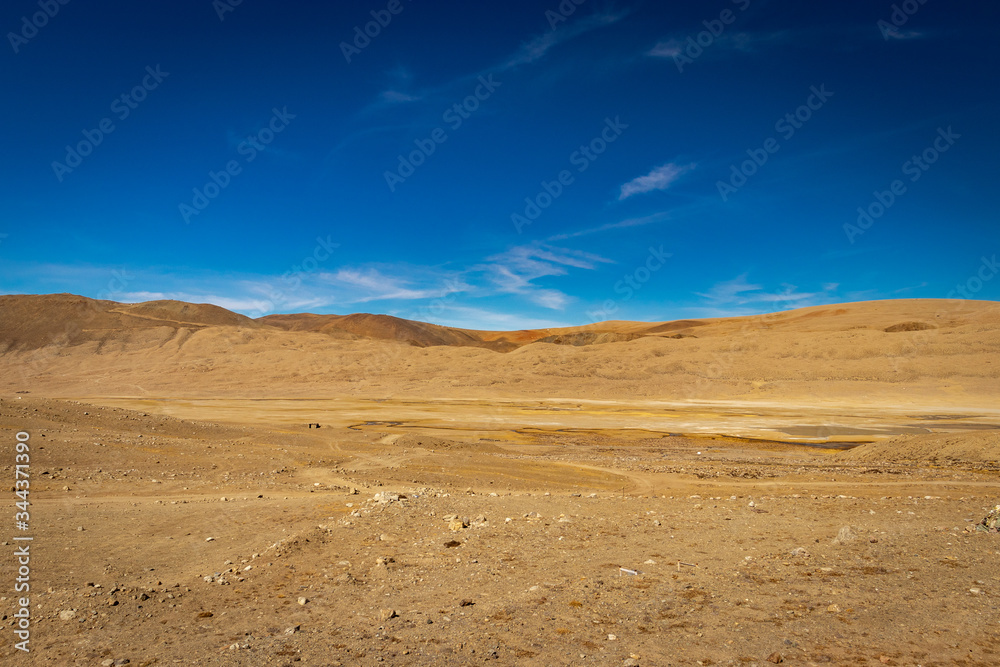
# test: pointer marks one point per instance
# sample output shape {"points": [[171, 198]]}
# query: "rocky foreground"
{"points": [[162, 541]]}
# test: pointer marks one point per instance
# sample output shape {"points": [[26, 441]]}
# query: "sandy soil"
{"points": [[797, 488], [336, 546]]}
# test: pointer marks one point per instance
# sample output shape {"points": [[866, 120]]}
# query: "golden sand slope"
{"points": [[892, 353], [971, 447]]}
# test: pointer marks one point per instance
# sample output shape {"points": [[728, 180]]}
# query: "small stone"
{"points": [[612, 638], [456, 525], [107, 663], [302, 601], [386, 614], [834, 609], [121, 661], [776, 658], [845, 535], [798, 552], [209, 539], [976, 591], [292, 630], [67, 615]]}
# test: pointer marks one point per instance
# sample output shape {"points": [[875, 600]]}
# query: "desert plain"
{"points": [[798, 488]]}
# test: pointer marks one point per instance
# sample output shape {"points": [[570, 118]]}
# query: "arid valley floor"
{"points": [[800, 489]]}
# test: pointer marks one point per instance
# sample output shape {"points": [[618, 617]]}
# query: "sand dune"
{"points": [[73, 346]]}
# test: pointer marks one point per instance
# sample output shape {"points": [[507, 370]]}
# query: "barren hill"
{"points": [[31, 322], [384, 327], [932, 352]]}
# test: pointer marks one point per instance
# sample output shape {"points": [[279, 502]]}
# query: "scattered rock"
{"points": [[992, 521], [845, 535], [456, 525]]}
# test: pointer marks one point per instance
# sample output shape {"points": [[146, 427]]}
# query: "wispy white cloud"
{"points": [[397, 97], [730, 295], [376, 285], [668, 49], [660, 178], [623, 224], [723, 45], [527, 53], [512, 279], [536, 48], [514, 271], [901, 35]]}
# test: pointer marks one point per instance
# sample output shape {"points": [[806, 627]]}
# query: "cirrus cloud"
{"points": [[660, 178]]}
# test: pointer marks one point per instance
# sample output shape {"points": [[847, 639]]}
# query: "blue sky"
{"points": [[501, 165]]}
